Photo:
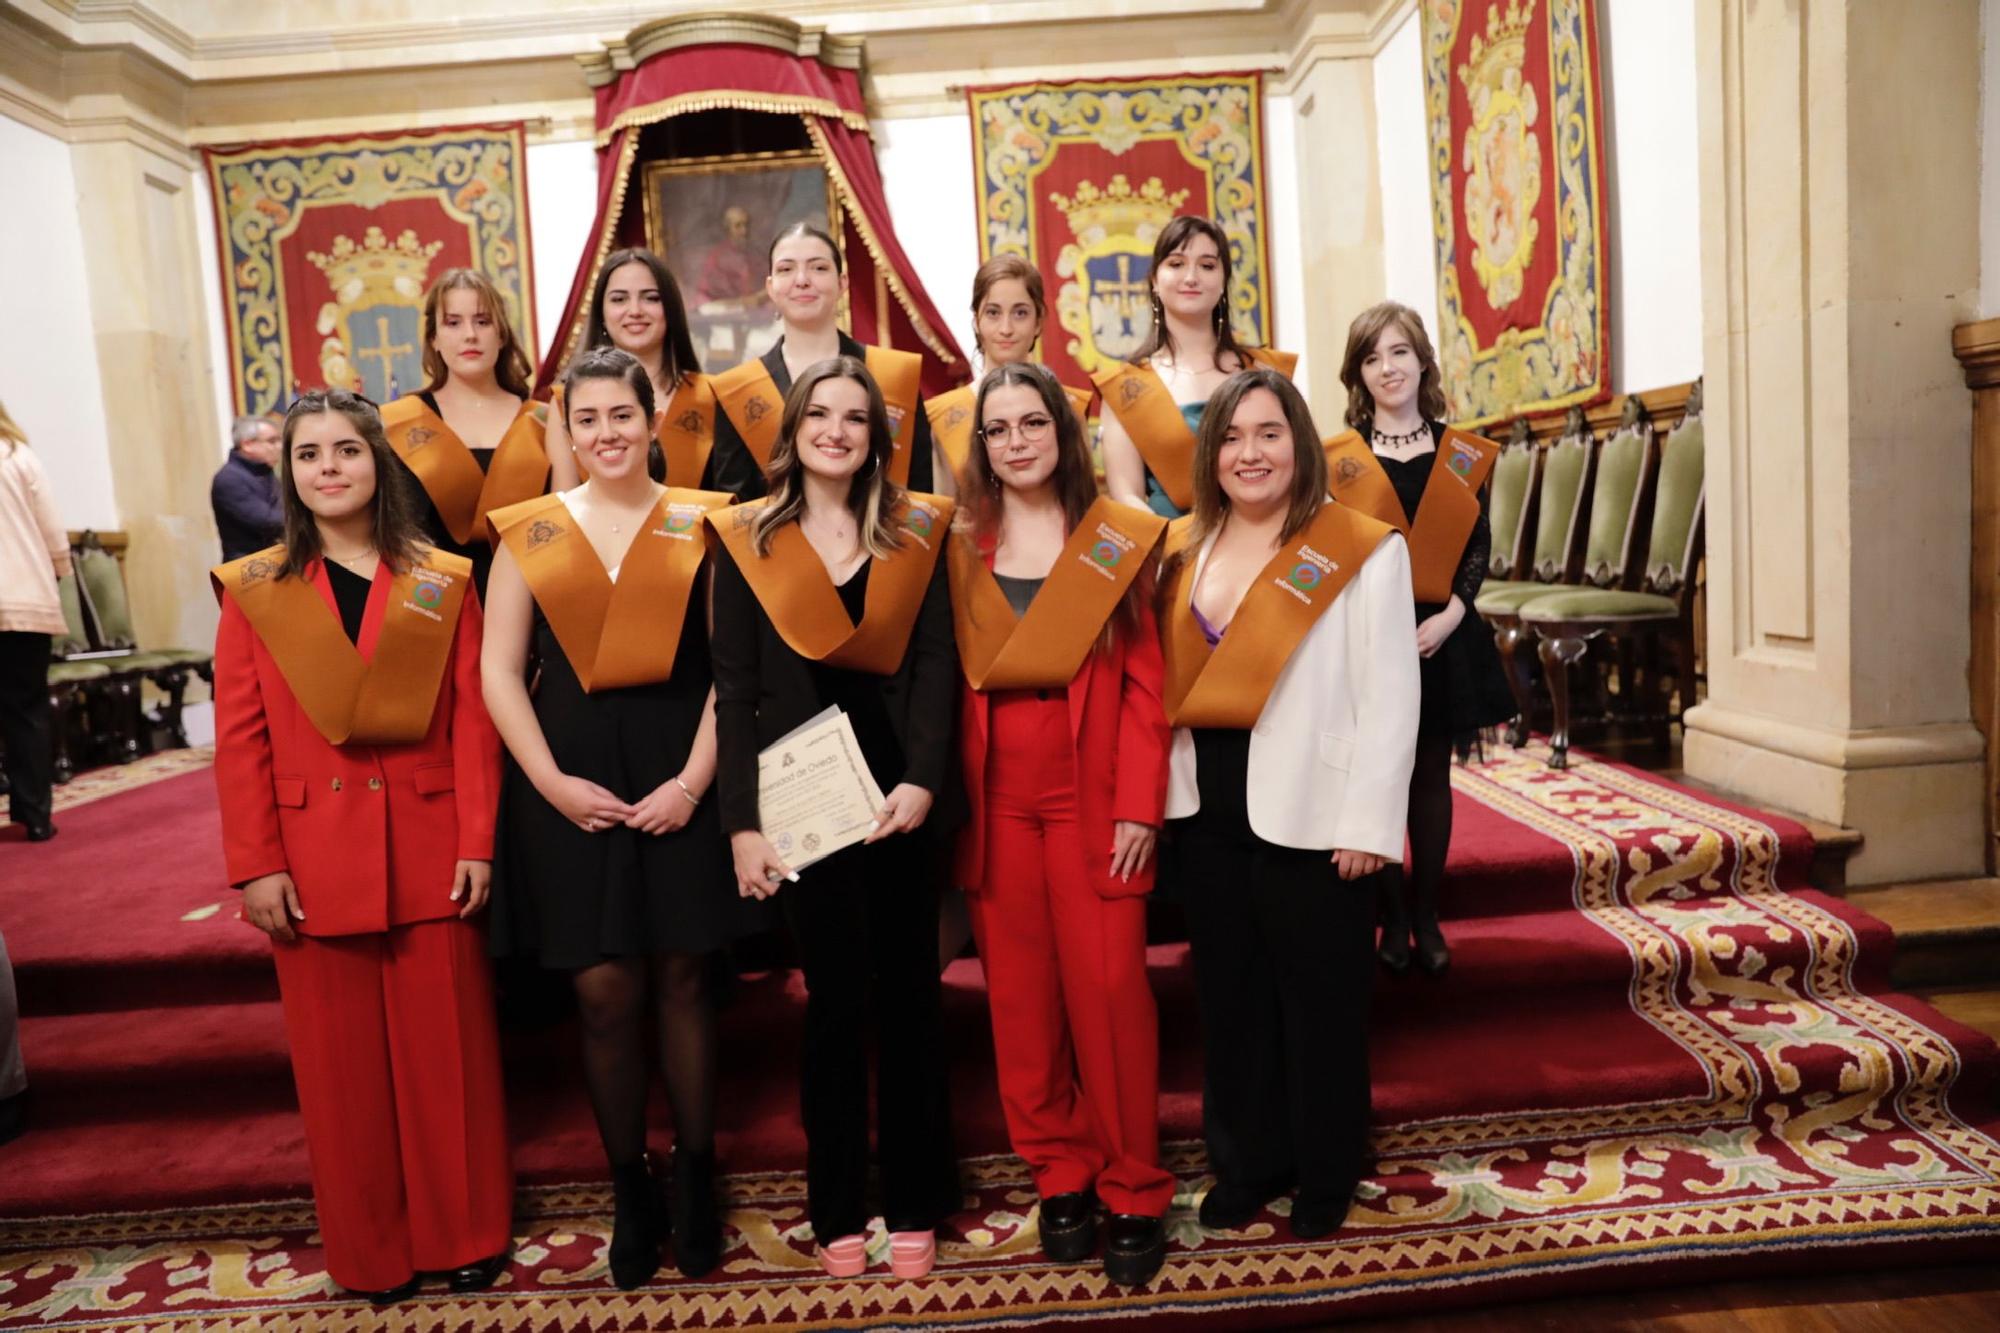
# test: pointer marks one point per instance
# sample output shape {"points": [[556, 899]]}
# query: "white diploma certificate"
{"points": [[815, 794]]}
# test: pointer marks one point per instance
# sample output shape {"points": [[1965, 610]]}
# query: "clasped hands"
{"points": [[665, 809], [760, 870]]}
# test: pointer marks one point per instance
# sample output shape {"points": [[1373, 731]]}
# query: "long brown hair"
{"points": [[510, 367], [1362, 335], [677, 355], [999, 269], [397, 534], [981, 497], [1175, 236], [1211, 505], [872, 498]]}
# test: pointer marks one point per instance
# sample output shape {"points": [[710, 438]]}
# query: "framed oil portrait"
{"points": [[713, 220]]}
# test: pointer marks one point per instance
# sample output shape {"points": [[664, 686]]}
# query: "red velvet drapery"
{"points": [[887, 301]]}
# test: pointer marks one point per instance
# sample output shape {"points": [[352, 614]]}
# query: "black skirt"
{"points": [[1465, 687], [572, 898]]}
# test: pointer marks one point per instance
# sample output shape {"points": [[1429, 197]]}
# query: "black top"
{"points": [[763, 690], [859, 694], [732, 467], [483, 457], [1409, 476], [350, 594], [1019, 592], [248, 516]]}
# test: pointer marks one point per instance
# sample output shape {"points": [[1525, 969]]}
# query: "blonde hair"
{"points": [[510, 367], [11, 434]]}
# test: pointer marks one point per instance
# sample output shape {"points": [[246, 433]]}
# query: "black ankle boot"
{"points": [[1394, 950], [635, 1225], [697, 1221], [1433, 955]]}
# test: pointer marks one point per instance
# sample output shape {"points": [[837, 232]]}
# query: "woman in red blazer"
{"points": [[1064, 746], [359, 775]]}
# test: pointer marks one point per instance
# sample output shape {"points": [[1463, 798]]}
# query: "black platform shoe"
{"points": [[1394, 950], [480, 1274], [1231, 1206], [696, 1221], [1069, 1227], [637, 1224], [388, 1295], [1318, 1213], [1134, 1249]]}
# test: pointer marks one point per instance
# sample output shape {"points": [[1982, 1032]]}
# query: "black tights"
{"points": [[1430, 823], [611, 998]]}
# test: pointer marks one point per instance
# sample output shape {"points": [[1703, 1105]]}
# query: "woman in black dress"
{"points": [[610, 864], [830, 593], [1395, 400]]}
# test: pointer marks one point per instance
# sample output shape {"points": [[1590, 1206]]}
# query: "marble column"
{"points": [[1839, 221]]}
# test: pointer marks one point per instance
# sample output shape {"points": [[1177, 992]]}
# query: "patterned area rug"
{"points": [[1839, 1125], [97, 783]]}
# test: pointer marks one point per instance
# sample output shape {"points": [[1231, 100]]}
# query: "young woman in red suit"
{"points": [[1064, 752], [358, 774]]}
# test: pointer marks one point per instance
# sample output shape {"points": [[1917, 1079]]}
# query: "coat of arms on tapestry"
{"points": [[1517, 202], [1079, 177], [329, 244]]}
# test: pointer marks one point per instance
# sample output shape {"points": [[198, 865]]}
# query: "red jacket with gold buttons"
{"points": [[371, 834]]}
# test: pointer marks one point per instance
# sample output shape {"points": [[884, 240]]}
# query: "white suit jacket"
{"points": [[1331, 753]]}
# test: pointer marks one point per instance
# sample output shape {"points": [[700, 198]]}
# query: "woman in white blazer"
{"points": [[1292, 685]]}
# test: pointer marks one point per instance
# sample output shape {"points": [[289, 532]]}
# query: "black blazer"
{"points": [[763, 689], [732, 467]]}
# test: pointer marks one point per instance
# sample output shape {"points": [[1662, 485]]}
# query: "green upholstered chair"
{"points": [[1561, 501], [70, 684], [103, 584], [1565, 622], [1510, 505]]}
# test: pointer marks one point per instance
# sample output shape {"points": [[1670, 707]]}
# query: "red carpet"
{"points": [[1650, 1062]]}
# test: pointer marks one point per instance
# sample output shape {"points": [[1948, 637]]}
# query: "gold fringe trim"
{"points": [[730, 100], [882, 265], [604, 239]]}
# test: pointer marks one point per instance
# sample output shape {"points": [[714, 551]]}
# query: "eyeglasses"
{"points": [[1033, 430]]}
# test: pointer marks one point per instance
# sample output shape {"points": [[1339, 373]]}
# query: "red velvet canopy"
{"points": [[886, 300]]}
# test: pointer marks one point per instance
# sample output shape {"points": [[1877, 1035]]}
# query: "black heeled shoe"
{"points": [[1069, 1227], [695, 1220], [1231, 1206], [1433, 954], [480, 1274], [1394, 950], [388, 1295], [1317, 1214], [636, 1224], [1134, 1249]]}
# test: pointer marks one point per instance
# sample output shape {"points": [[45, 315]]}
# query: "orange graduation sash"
{"points": [[387, 700], [898, 374], [1445, 515], [749, 397], [1139, 398], [1226, 686], [686, 437], [1045, 648], [795, 591], [462, 495], [613, 633], [952, 423]]}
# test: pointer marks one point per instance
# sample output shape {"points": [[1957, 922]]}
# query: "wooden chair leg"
{"points": [[173, 682], [61, 701], [1507, 638], [1559, 654], [127, 718]]}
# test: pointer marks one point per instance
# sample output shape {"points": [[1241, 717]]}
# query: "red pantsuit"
{"points": [[1063, 942], [388, 996]]}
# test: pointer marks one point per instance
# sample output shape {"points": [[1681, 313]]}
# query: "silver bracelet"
{"points": [[692, 798]]}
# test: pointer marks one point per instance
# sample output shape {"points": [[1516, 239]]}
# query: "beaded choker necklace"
{"points": [[1405, 440]]}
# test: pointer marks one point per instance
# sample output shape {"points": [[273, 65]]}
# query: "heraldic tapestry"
{"points": [[1079, 178], [1517, 204], [328, 245]]}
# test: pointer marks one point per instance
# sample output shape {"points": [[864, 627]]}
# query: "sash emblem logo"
{"points": [[919, 520], [1346, 470], [756, 409], [1305, 576], [428, 595], [1463, 456], [543, 531], [680, 520], [1130, 391], [689, 421], [1106, 554], [419, 436], [256, 571]]}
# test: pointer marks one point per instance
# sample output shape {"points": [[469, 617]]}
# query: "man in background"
{"points": [[244, 492]]}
